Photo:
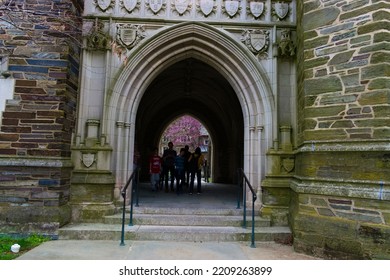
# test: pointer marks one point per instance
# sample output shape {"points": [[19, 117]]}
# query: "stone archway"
{"points": [[191, 86], [220, 54]]}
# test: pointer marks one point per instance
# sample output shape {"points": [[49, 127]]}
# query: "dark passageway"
{"points": [[193, 87]]}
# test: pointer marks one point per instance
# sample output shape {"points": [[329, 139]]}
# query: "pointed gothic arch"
{"points": [[213, 47]]}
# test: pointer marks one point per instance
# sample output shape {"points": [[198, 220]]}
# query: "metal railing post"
{"points": [[123, 219], [123, 192], [239, 189], [246, 182]]}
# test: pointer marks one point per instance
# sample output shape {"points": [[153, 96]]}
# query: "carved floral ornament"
{"points": [[256, 40]]}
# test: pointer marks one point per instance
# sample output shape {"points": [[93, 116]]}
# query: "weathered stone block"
{"points": [[323, 85], [320, 18]]}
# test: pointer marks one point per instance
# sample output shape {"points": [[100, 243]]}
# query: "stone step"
{"points": [[186, 220], [187, 211], [89, 231]]}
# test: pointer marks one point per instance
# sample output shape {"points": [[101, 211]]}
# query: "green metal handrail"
{"points": [[243, 182], [134, 178]]}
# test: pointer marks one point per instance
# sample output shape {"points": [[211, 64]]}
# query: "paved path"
{"points": [[160, 250]]}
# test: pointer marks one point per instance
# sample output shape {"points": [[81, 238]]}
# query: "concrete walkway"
{"points": [[218, 196], [160, 250]]}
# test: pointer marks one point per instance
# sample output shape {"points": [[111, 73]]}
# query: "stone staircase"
{"points": [[179, 224]]}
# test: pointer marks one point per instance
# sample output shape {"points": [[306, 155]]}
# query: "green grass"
{"points": [[26, 244]]}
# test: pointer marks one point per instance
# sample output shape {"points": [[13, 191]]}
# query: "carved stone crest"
{"points": [[206, 6], [156, 5], [256, 40], [288, 164], [88, 159], [281, 9], [232, 7], [256, 8], [181, 6], [104, 4], [129, 5], [128, 35]]}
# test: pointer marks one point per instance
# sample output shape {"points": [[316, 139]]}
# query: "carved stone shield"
{"points": [[103, 4], [281, 9], [231, 7], [258, 40], [130, 5], [126, 35], [88, 159], [288, 164], [155, 5], [181, 6], [256, 8], [206, 6]]}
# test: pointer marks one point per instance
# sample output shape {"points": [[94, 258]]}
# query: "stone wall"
{"points": [[341, 188], [41, 44]]}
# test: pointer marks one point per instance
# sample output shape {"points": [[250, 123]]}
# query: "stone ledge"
{"points": [[35, 162], [344, 146], [351, 188]]}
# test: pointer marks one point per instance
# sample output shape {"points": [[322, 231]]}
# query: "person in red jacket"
{"points": [[155, 163]]}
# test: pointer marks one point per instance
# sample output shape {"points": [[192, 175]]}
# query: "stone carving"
{"points": [[281, 10], [156, 5], [88, 159], [286, 46], [181, 6], [98, 40], [103, 5], [207, 7], [129, 5], [129, 35], [256, 8], [232, 7], [256, 40], [288, 164]]}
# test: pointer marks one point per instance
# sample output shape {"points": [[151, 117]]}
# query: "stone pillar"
{"points": [[38, 118], [92, 183], [341, 189]]}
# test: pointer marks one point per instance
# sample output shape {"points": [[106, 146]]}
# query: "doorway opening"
{"points": [[188, 132], [192, 87]]}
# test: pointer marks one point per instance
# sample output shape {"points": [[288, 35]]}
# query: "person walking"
{"points": [[169, 156], [187, 155], [155, 164], [179, 169], [195, 166]]}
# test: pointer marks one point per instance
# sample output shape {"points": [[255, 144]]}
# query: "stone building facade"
{"points": [[295, 92]]}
